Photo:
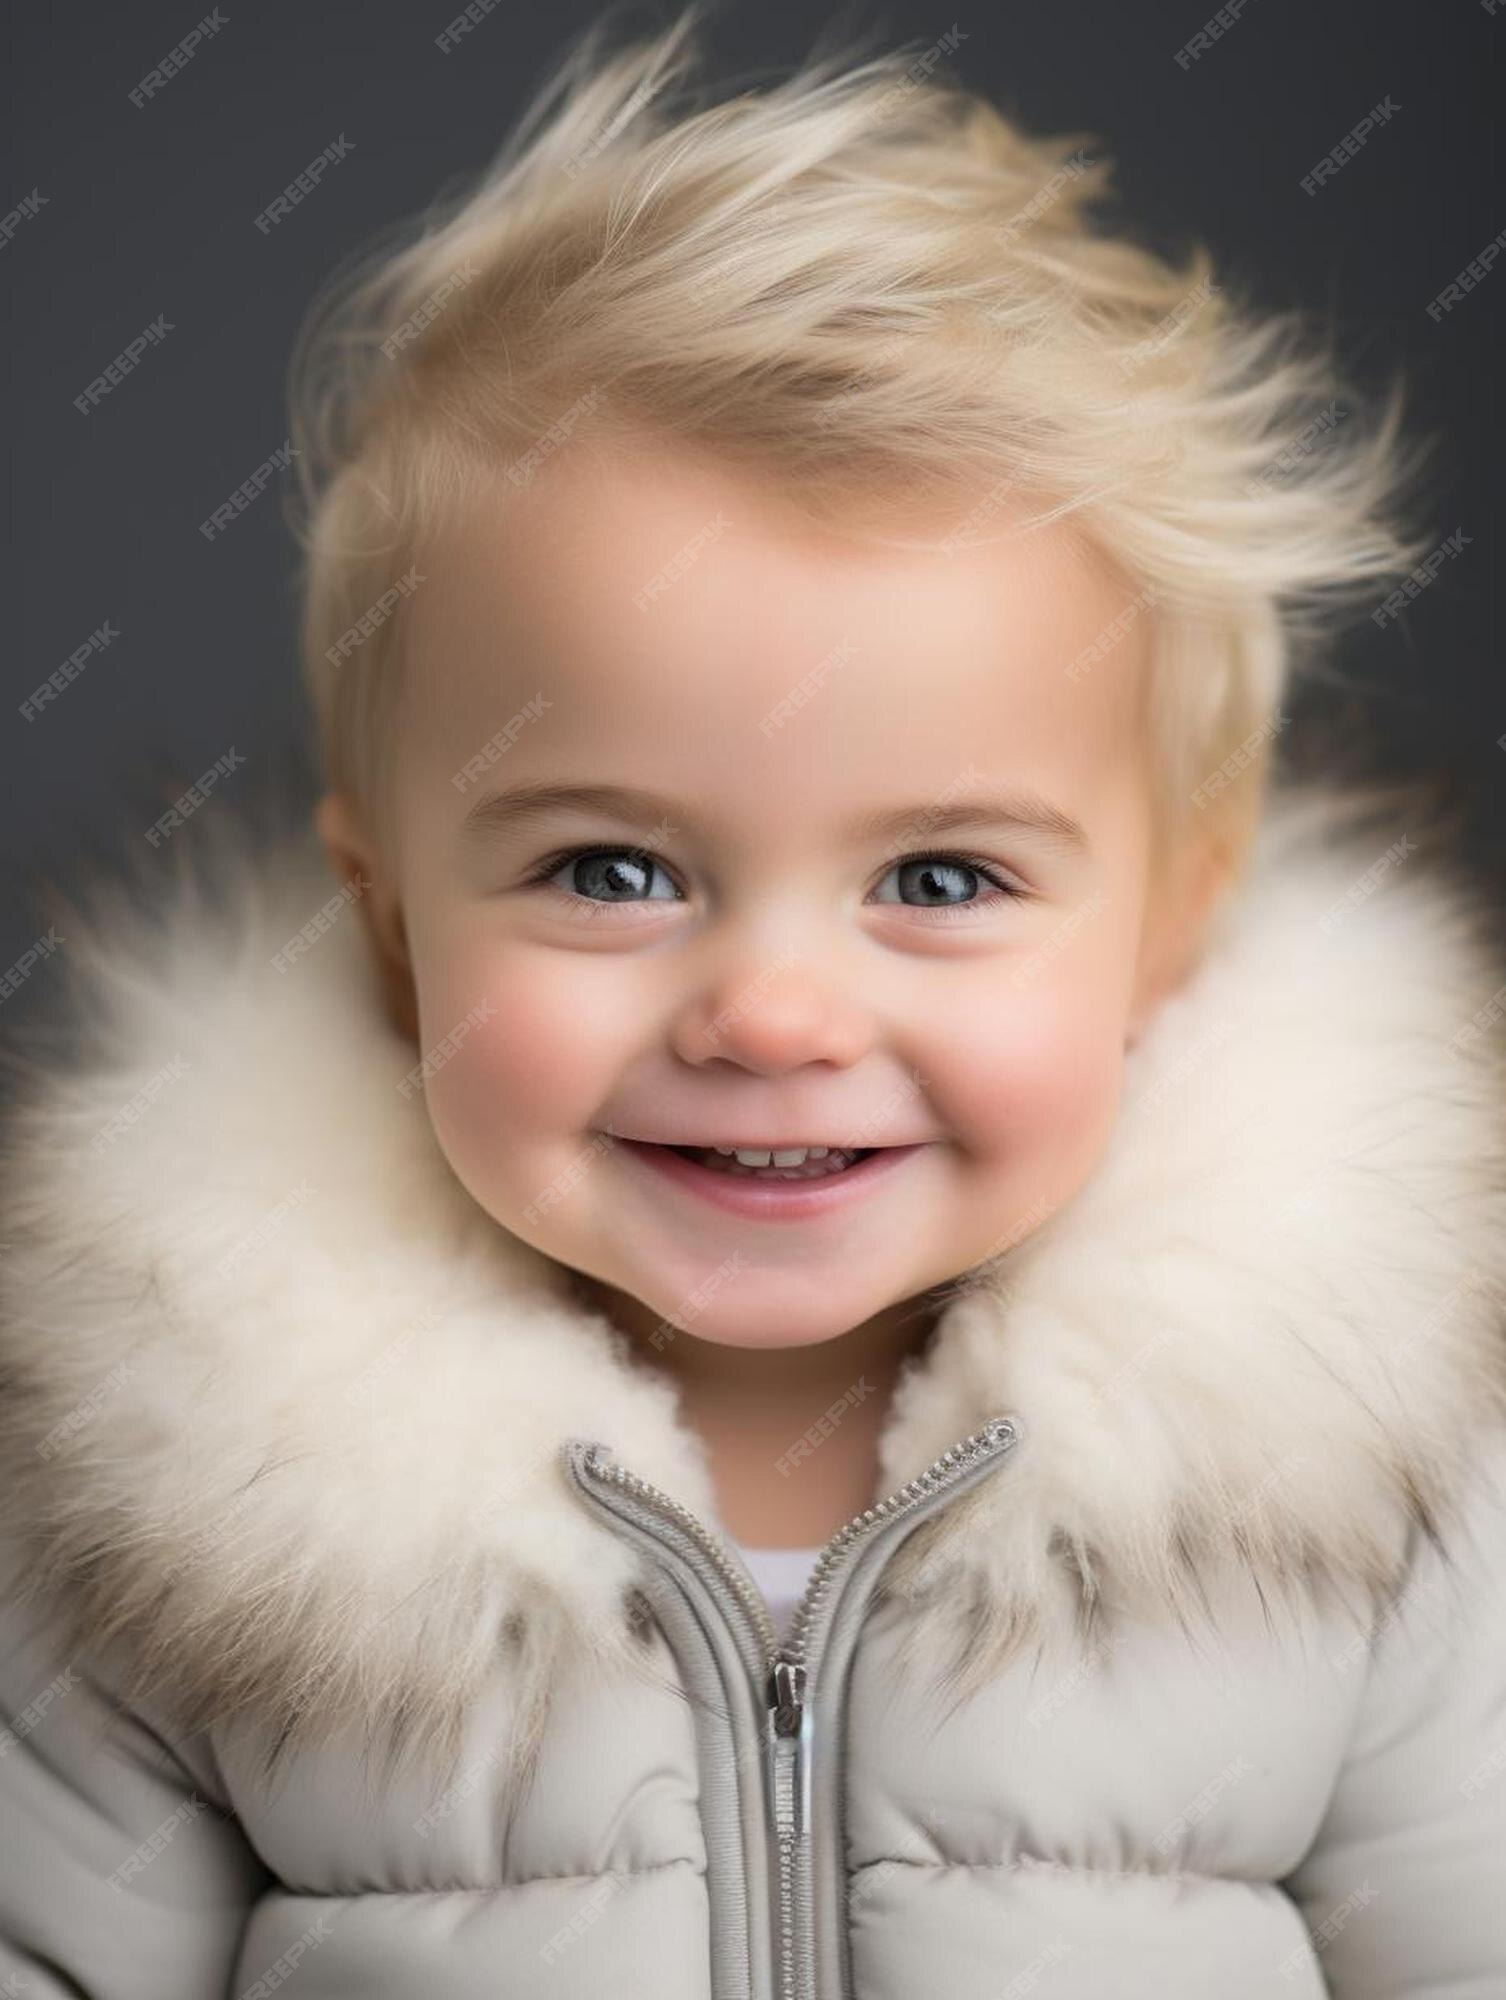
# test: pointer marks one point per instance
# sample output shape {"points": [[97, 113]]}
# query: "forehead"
{"points": [[670, 606]]}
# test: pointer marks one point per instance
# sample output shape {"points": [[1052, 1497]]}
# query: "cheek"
{"points": [[1037, 1072], [539, 1060]]}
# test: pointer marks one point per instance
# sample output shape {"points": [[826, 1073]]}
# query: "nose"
{"points": [[770, 1014]]}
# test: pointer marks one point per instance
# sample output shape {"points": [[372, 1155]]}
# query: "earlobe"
{"points": [[352, 858], [337, 827], [1178, 921]]}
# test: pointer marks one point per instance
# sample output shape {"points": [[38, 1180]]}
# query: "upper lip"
{"points": [[769, 1145]]}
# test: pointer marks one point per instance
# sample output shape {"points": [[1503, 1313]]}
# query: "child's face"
{"points": [[777, 972]]}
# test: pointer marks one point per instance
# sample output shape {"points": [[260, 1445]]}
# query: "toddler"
{"points": [[925, 1416]]}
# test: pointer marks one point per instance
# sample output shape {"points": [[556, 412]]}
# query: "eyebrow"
{"points": [[1018, 809]]}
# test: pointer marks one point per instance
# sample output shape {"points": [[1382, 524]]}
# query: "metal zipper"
{"points": [[784, 1672]]}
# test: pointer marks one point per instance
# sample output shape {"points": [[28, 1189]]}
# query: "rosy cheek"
{"points": [[1044, 1074], [539, 1059]]}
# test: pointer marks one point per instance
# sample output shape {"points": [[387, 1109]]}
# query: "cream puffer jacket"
{"points": [[368, 1629]]}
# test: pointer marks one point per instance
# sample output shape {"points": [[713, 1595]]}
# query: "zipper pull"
{"points": [[790, 1718]]}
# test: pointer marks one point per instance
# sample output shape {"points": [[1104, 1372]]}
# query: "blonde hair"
{"points": [[860, 277]]}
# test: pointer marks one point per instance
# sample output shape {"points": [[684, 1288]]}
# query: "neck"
{"points": [[792, 1431]]}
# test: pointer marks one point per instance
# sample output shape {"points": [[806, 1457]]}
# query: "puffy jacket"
{"points": [[368, 1628]]}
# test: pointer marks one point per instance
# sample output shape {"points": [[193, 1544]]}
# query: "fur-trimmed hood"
{"points": [[281, 1408]]}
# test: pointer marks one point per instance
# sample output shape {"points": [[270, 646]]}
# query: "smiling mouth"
{"points": [[786, 1193], [819, 1164]]}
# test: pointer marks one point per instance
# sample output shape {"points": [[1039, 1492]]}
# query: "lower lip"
{"points": [[772, 1201]]}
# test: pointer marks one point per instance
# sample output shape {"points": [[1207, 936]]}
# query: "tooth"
{"points": [[724, 1149], [816, 1152], [752, 1156], [793, 1158]]}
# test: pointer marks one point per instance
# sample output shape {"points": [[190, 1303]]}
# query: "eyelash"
{"points": [[587, 906]]}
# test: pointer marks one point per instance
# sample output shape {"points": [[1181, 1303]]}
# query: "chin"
{"points": [[752, 1322], [760, 1334]]}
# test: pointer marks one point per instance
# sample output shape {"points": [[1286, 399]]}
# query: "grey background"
{"points": [[149, 210]]}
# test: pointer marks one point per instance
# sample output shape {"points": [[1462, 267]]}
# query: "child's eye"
{"points": [[598, 877], [606, 875], [933, 876]]}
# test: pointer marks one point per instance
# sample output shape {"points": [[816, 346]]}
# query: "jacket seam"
{"points": [[477, 1888], [1023, 1864]]}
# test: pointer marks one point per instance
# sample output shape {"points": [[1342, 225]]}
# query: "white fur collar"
{"points": [[282, 1406]]}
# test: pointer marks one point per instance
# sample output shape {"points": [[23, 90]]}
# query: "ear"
{"points": [[353, 857], [1182, 896]]}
